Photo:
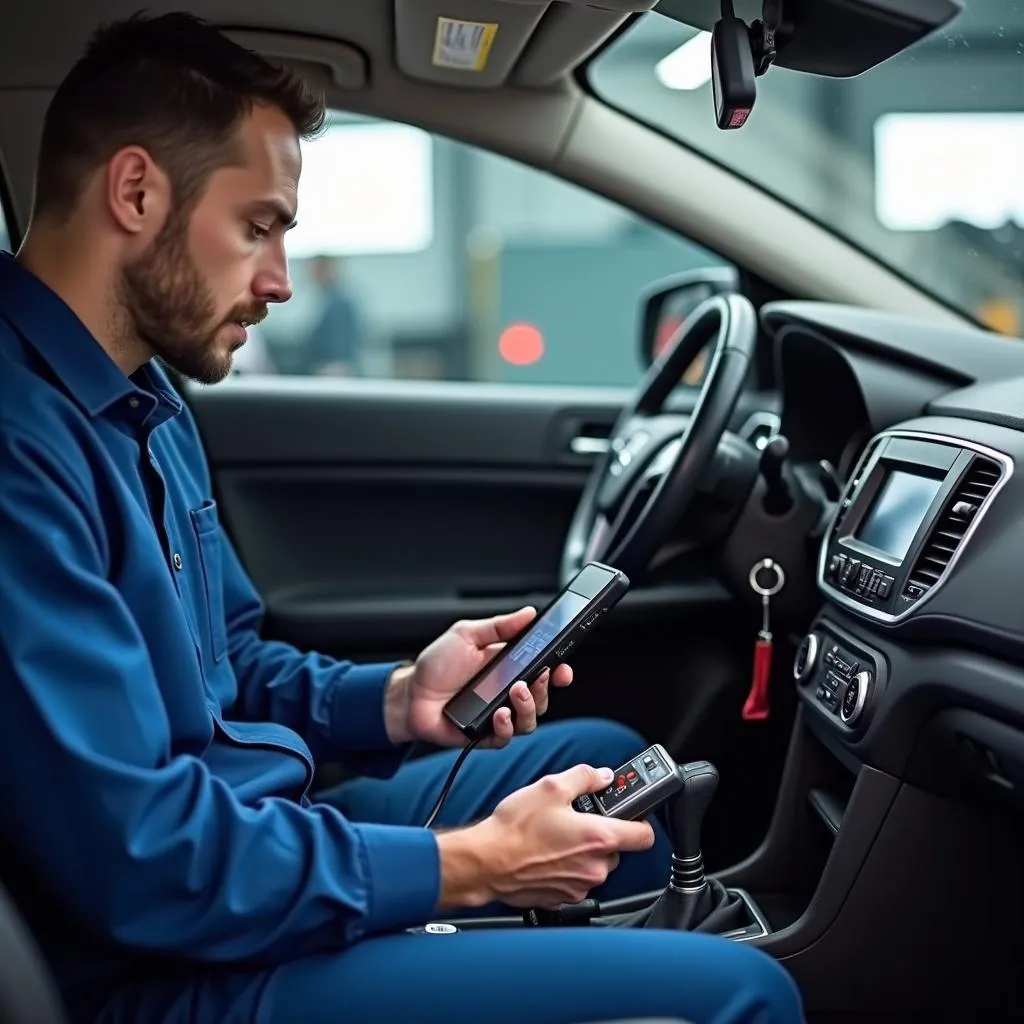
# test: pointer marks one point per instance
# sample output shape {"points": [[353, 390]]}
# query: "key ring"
{"points": [[767, 565]]}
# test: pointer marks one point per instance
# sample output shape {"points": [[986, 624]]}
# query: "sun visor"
{"points": [[324, 63], [486, 43]]}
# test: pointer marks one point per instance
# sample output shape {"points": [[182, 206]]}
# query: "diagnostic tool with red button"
{"points": [[640, 786]]}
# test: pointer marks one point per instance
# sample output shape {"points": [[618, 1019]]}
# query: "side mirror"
{"points": [[666, 304]]}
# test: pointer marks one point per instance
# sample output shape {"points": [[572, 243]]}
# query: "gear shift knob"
{"points": [[689, 898], [687, 808]]}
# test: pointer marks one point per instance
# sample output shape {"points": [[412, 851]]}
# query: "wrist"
{"points": [[396, 705], [469, 859]]}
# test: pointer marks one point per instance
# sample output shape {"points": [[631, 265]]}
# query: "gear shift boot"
{"points": [[713, 909], [691, 902]]}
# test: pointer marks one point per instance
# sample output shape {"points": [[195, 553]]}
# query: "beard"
{"points": [[168, 306]]}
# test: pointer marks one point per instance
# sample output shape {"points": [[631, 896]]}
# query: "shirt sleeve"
{"points": [[142, 845], [337, 707]]}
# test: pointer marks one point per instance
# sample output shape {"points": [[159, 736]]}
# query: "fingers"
{"points": [[538, 691], [562, 676], [631, 836], [525, 707], [582, 778], [532, 702], [528, 704], [498, 629], [503, 728]]}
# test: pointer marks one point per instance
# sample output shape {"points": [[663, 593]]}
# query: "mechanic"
{"points": [[157, 830]]}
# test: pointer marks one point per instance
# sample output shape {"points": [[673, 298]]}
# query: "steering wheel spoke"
{"points": [[597, 540], [642, 487]]}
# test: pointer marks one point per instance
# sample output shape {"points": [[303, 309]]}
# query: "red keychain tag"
{"points": [[755, 707], [766, 580]]}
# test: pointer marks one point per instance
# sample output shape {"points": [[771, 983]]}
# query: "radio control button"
{"points": [[855, 697], [806, 660], [885, 587]]}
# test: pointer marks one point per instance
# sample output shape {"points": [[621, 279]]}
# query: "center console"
{"points": [[890, 880], [841, 676], [911, 505]]}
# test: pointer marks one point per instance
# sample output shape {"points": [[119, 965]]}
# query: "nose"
{"points": [[272, 288], [272, 283]]}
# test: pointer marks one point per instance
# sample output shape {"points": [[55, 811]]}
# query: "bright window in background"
{"points": [[919, 161], [933, 169], [687, 67], [365, 189], [416, 256], [5, 239]]}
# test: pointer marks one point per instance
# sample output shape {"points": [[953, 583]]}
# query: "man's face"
{"points": [[210, 274]]}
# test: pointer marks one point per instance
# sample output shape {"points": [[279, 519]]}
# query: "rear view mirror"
{"points": [[832, 38], [665, 306]]}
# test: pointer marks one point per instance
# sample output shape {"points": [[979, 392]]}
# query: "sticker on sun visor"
{"points": [[463, 45]]}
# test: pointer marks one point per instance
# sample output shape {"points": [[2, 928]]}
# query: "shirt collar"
{"points": [[46, 323]]}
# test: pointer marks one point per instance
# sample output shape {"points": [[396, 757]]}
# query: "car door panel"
{"points": [[372, 514]]}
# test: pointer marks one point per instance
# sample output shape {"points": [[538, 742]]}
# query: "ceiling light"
{"points": [[688, 66]]}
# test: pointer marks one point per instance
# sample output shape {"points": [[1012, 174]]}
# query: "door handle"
{"points": [[584, 445]]}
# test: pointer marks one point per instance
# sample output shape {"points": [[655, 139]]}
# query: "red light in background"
{"points": [[521, 344], [665, 332]]}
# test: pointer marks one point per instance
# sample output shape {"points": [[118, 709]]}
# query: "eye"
{"points": [[258, 231]]}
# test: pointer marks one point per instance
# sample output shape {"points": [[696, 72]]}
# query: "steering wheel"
{"points": [[641, 487]]}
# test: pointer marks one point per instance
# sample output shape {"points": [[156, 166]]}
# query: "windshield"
{"points": [[920, 161]]}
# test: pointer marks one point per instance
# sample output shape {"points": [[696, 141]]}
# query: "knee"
{"points": [[603, 742], [766, 990]]}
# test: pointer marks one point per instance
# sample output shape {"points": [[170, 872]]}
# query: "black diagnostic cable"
{"points": [[446, 788]]}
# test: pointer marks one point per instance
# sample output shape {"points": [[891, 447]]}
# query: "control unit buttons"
{"points": [[583, 803]]}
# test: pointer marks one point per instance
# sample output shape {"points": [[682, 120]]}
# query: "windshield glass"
{"points": [[919, 161]]}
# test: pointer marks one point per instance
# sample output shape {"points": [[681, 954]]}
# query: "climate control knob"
{"points": [[855, 697], [806, 660]]}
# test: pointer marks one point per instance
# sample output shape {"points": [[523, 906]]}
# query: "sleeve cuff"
{"points": [[403, 868], [357, 721], [357, 715]]}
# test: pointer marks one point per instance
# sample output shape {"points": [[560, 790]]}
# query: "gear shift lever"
{"points": [[684, 902], [691, 902]]}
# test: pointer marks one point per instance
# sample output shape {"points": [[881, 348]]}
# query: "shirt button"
{"points": [[177, 561], [133, 402]]}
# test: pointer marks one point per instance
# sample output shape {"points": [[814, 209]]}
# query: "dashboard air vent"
{"points": [[951, 526]]}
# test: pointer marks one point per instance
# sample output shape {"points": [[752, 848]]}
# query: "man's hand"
{"points": [[414, 705], [536, 850]]}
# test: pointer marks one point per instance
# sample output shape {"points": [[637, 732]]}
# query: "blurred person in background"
{"points": [[335, 343]]}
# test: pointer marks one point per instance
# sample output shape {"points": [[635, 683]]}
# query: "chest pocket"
{"points": [[207, 530]]}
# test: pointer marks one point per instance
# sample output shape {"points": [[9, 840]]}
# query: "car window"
{"points": [[416, 257], [5, 238], [918, 160]]}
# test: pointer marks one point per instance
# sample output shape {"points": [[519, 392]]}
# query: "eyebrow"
{"points": [[277, 209]]}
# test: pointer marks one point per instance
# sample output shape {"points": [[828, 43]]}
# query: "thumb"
{"points": [[585, 779], [506, 626], [499, 629]]}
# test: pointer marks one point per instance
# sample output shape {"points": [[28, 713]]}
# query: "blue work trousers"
{"points": [[513, 976]]}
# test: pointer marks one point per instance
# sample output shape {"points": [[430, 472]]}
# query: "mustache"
{"points": [[251, 315]]}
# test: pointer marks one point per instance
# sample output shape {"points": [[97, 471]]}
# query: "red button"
{"points": [[631, 776], [620, 781]]}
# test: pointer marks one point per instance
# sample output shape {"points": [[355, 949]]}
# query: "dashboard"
{"points": [[914, 661]]}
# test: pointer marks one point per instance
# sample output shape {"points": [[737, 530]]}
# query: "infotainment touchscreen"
{"points": [[897, 512]]}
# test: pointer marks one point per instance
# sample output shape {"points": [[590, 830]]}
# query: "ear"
{"points": [[138, 192]]}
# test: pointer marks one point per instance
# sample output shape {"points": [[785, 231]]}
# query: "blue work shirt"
{"points": [[156, 752]]}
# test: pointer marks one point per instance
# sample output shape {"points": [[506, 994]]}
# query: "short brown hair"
{"points": [[175, 86]]}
